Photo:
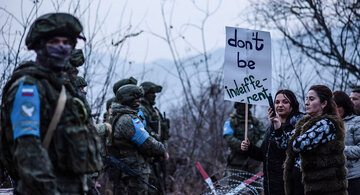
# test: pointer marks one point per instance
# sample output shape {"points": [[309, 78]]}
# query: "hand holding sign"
{"points": [[247, 67]]}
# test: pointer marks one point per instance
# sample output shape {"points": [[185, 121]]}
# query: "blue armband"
{"points": [[141, 113], [25, 113], [228, 130], [141, 135]]}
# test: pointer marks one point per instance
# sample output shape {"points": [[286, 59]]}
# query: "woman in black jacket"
{"points": [[287, 107]]}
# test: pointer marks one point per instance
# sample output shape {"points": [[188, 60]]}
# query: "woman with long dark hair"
{"points": [[315, 148], [287, 108], [352, 140]]}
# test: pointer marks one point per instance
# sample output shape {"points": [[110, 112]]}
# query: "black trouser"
{"points": [[298, 186], [354, 186]]}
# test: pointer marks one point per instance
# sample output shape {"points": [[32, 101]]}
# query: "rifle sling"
{"points": [[55, 119], [159, 122]]}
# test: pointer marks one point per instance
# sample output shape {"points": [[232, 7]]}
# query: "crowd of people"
{"points": [[50, 143], [313, 153]]}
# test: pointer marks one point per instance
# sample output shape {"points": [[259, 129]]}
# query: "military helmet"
{"points": [[123, 82], [128, 92], [77, 58], [50, 25], [241, 106], [150, 87], [109, 102], [80, 82]]}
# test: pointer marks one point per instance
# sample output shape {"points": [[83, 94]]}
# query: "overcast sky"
{"points": [[143, 15], [146, 15]]}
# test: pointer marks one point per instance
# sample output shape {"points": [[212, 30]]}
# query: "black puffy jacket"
{"points": [[273, 158]]}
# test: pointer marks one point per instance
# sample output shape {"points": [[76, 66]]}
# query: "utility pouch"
{"points": [[77, 149], [154, 125]]}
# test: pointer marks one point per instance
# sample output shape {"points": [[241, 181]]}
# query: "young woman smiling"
{"points": [[273, 157], [314, 149]]}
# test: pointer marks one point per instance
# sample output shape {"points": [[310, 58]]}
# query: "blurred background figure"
{"points": [[234, 134], [355, 98], [352, 140]]}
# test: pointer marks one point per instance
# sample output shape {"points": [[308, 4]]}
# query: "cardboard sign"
{"points": [[247, 66]]}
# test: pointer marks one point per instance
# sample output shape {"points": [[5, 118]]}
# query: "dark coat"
{"points": [[323, 168], [273, 158]]}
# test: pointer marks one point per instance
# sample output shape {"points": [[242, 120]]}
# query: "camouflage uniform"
{"points": [[28, 104], [155, 123], [130, 142], [158, 127], [77, 59], [234, 132]]}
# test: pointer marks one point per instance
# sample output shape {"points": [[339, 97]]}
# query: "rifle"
{"points": [[112, 161]]}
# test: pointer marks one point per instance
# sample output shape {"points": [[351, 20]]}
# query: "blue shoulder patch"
{"points": [[25, 113], [141, 113], [227, 130], [141, 134]]}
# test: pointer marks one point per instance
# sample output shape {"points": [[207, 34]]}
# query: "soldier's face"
{"points": [[135, 104], [282, 105], [151, 97], [58, 41], [82, 90]]}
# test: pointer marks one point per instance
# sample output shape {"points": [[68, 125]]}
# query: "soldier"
{"points": [[157, 124], [234, 132], [116, 86], [130, 142], [158, 127], [76, 60], [107, 114], [46, 144], [80, 83], [103, 129]]}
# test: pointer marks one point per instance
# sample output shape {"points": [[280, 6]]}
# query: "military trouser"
{"points": [[114, 182], [131, 185], [157, 179], [71, 185]]}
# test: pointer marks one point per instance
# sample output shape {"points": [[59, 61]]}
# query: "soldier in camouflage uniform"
{"points": [[116, 86], [80, 83], [103, 129], [107, 114], [40, 160], [158, 127], [130, 142], [234, 132], [76, 60]]}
